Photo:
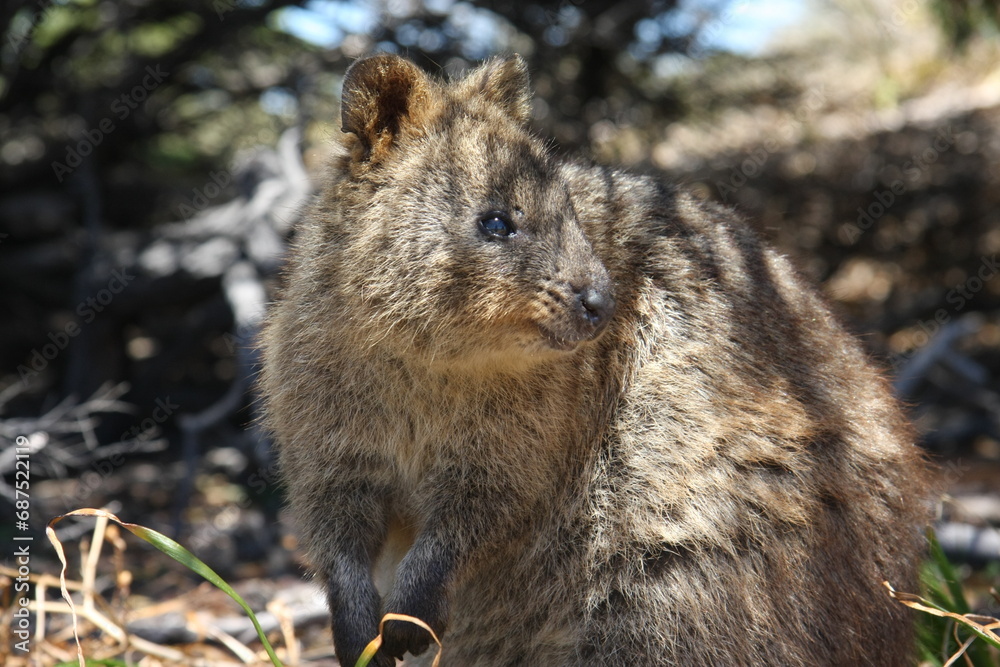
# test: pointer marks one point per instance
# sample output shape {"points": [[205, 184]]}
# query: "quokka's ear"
{"points": [[382, 94], [503, 81]]}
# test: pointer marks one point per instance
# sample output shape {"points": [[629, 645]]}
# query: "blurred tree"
{"points": [[114, 115], [108, 111], [961, 19], [178, 83], [589, 58]]}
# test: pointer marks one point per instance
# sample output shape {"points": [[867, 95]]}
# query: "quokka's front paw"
{"points": [[350, 647], [399, 637]]}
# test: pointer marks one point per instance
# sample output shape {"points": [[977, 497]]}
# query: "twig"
{"points": [[917, 367], [89, 570], [284, 616], [242, 651], [110, 628]]}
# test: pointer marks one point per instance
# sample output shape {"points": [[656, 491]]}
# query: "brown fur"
{"points": [[627, 434]]}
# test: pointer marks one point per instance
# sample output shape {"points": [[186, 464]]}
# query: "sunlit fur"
{"points": [[717, 478]]}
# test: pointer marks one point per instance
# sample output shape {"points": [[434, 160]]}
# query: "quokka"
{"points": [[568, 415]]}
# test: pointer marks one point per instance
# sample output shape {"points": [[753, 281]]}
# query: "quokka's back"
{"points": [[567, 415]]}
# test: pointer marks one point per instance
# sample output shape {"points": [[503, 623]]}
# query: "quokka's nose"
{"points": [[596, 306]]}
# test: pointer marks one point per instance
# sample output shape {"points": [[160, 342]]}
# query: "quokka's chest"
{"points": [[494, 433]]}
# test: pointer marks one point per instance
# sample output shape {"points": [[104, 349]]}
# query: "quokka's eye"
{"points": [[497, 224]]}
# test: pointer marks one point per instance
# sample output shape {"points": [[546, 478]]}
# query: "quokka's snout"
{"points": [[581, 311]]}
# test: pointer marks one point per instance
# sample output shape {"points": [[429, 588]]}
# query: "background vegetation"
{"points": [[154, 155]]}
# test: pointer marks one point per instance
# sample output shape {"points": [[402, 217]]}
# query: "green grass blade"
{"points": [[978, 652], [958, 603], [188, 560], [369, 652], [182, 556]]}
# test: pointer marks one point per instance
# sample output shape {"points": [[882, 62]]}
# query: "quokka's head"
{"points": [[459, 231]]}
